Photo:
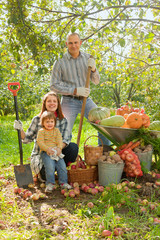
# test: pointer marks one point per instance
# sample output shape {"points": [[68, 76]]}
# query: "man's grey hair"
{"points": [[73, 34]]}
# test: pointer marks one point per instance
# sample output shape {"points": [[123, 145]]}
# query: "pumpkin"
{"points": [[98, 113], [134, 120], [145, 120], [125, 125]]}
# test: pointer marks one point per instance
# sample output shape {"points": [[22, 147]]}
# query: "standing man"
{"points": [[69, 77]]}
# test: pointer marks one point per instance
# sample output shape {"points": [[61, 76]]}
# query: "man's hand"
{"points": [[92, 64], [82, 91], [18, 125]]}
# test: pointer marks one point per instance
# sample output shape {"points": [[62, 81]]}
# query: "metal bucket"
{"points": [[145, 159], [109, 173]]}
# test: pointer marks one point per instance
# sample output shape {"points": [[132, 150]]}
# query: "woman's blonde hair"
{"points": [[59, 112]]}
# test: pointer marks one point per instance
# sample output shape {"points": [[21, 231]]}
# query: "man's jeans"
{"points": [[52, 165], [72, 107]]}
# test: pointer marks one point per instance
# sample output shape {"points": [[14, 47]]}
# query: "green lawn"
{"points": [[9, 140]]}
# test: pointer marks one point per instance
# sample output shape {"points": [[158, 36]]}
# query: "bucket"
{"points": [[145, 159], [109, 173]]}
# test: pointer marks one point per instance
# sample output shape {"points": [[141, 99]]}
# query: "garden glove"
{"points": [[82, 91], [92, 64], [18, 125]]}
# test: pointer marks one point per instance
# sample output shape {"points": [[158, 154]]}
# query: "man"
{"points": [[69, 77]]}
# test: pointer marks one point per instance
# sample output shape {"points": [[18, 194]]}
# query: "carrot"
{"points": [[122, 146], [135, 144], [129, 145]]}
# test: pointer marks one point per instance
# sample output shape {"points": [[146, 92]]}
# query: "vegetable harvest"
{"points": [[132, 164]]}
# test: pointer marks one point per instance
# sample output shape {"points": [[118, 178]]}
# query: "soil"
{"points": [[55, 212]]}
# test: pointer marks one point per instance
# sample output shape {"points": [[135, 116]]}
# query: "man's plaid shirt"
{"points": [[31, 135]]}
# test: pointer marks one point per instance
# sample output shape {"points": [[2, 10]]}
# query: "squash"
{"points": [[98, 113], [114, 121], [134, 120], [155, 125]]}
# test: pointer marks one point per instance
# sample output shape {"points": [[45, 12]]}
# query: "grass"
{"points": [[21, 219], [9, 140]]}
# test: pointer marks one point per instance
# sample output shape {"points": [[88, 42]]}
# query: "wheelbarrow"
{"points": [[116, 135]]}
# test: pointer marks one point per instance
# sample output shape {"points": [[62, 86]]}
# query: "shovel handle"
{"points": [[14, 91]]}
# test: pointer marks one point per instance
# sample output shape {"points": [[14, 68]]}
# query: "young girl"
{"points": [[49, 140], [51, 103]]}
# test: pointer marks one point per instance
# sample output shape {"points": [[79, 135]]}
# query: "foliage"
{"points": [[121, 35]]}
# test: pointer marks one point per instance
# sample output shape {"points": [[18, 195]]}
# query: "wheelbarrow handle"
{"points": [[14, 91]]}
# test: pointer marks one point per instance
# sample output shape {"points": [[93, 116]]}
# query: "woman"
{"points": [[51, 102]]}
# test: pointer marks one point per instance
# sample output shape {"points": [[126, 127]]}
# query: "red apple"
{"points": [[157, 183], [106, 233], [90, 205], [35, 197], [16, 190], [100, 188], [118, 232], [94, 191], [72, 194], [63, 191], [131, 184], [77, 191], [85, 189], [83, 185], [91, 185], [73, 167], [20, 190]]}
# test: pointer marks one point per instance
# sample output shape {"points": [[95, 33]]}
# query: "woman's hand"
{"points": [[58, 151]]}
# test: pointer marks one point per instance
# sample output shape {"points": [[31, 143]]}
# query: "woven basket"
{"points": [[82, 175], [92, 154]]}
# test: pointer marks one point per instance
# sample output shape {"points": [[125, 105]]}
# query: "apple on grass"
{"points": [[106, 233], [118, 232], [90, 204], [72, 194]]}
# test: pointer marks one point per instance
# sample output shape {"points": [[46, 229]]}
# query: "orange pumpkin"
{"points": [[125, 125], [125, 115], [145, 120], [134, 120]]}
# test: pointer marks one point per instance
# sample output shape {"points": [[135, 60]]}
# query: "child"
{"points": [[49, 140]]}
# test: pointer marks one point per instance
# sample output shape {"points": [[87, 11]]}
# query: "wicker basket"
{"points": [[82, 175], [92, 154]]}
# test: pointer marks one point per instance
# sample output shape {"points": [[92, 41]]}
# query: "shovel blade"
{"points": [[23, 175]]}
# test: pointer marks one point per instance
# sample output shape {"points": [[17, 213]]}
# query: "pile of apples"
{"points": [[92, 188], [26, 194], [72, 193], [80, 165]]}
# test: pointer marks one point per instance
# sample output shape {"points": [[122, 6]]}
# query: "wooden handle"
{"points": [[83, 106], [93, 136]]}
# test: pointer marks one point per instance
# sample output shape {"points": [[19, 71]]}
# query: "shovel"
{"points": [[22, 172]]}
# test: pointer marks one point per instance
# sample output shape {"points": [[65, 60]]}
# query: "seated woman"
{"points": [[51, 102]]}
